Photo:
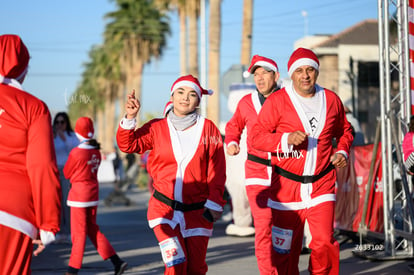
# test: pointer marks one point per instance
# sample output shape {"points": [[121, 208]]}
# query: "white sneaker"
{"points": [[239, 231]]}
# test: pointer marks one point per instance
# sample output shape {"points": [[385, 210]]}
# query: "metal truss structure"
{"points": [[395, 103]]}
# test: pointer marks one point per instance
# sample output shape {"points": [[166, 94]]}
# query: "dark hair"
{"points": [[93, 142], [65, 117], [411, 124]]}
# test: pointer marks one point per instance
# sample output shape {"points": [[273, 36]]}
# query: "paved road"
{"points": [[127, 229]]}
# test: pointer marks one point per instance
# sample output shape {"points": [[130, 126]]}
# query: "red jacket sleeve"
{"points": [[234, 127], [43, 172]]}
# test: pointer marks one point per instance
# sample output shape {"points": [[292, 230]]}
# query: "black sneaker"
{"points": [[121, 268]]}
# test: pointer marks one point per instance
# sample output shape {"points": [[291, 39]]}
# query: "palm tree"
{"points": [[179, 5], [99, 88], [193, 12], [246, 48], [213, 110], [141, 29]]}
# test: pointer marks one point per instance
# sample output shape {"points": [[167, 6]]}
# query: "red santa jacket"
{"points": [[245, 116], [282, 114], [195, 177], [29, 179], [81, 169]]}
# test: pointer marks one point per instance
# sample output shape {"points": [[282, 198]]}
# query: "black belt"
{"points": [[303, 179], [176, 205], [254, 158]]}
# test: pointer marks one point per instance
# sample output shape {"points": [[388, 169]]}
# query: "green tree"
{"points": [[141, 30]]}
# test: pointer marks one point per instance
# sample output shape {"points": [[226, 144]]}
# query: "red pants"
{"points": [[16, 252], [262, 216], [195, 249], [83, 223], [324, 258]]}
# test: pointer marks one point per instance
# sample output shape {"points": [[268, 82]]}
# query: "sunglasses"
{"points": [[60, 122]]}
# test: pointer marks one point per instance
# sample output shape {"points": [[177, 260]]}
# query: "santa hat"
{"points": [[261, 61], [190, 81], [168, 107], [14, 57], [84, 128], [301, 57]]}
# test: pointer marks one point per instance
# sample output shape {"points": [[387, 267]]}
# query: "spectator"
{"points": [[64, 140]]}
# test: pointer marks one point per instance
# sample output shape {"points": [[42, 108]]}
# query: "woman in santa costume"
{"points": [[81, 169], [297, 124], [188, 167], [29, 178], [258, 168]]}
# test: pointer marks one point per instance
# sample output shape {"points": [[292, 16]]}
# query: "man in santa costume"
{"points": [[188, 168], [297, 124], [29, 179], [258, 168]]}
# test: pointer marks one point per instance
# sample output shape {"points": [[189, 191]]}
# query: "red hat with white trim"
{"points": [[301, 57], [261, 61], [190, 81], [84, 128]]}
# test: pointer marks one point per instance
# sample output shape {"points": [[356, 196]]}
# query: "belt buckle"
{"points": [[174, 204], [307, 179]]}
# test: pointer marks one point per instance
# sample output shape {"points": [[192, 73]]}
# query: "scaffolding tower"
{"points": [[395, 114]]}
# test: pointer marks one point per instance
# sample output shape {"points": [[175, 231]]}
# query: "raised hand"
{"points": [[132, 105]]}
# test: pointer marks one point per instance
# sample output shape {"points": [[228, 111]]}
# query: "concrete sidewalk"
{"points": [[126, 227]]}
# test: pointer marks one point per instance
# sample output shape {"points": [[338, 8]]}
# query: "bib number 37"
{"points": [[281, 239]]}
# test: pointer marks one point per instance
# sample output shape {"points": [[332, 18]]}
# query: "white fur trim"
{"points": [[302, 62], [47, 237], [213, 206], [11, 82], [18, 224], [264, 64], [81, 138], [299, 205], [186, 83]]}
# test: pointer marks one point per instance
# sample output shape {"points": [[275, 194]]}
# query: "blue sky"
{"points": [[59, 35]]}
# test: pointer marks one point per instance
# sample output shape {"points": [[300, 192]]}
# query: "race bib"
{"points": [[172, 252], [281, 239]]}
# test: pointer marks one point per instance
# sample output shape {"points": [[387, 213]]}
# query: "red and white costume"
{"points": [[81, 169], [29, 179], [292, 201], [190, 172], [192, 178], [257, 175], [257, 179]]}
